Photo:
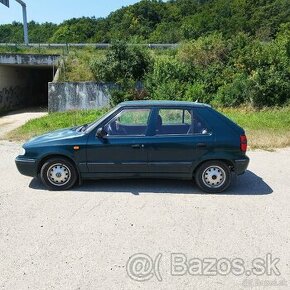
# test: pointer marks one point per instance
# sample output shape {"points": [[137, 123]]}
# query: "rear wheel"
{"points": [[213, 176], [58, 174]]}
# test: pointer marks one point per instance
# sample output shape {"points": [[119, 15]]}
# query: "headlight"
{"points": [[22, 151]]}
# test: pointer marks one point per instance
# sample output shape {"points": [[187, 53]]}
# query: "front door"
{"points": [[122, 152]]}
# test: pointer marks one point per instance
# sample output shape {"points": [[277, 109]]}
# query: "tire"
{"points": [[58, 174], [213, 176]]}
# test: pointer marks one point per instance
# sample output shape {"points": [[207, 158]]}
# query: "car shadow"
{"points": [[246, 184]]}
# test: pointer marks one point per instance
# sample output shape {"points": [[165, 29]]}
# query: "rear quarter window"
{"points": [[218, 122]]}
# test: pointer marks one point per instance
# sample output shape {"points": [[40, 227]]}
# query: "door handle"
{"points": [[137, 146], [201, 145]]}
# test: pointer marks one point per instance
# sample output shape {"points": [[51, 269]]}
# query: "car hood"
{"points": [[58, 135]]}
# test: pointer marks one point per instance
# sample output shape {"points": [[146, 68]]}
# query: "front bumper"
{"points": [[26, 166], [241, 165]]}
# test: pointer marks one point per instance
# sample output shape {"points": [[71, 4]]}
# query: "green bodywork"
{"points": [[166, 156]]}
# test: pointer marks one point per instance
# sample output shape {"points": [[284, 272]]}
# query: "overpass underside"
{"points": [[24, 80]]}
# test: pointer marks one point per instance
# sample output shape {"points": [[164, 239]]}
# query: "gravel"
{"points": [[83, 238]]}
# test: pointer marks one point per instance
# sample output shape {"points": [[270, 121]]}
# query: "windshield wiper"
{"points": [[82, 128]]}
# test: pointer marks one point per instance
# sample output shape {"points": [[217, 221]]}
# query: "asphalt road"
{"points": [[83, 238]]}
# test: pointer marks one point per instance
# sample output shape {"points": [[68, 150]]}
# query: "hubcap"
{"points": [[214, 176], [58, 174]]}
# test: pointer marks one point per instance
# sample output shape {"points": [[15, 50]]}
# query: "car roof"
{"points": [[163, 103]]}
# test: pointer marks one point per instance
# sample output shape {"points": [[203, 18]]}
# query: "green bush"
{"points": [[266, 66], [231, 72], [203, 51], [234, 93], [121, 63], [168, 79], [124, 66], [238, 71]]}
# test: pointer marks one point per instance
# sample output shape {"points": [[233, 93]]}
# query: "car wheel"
{"points": [[213, 176], [58, 174]]}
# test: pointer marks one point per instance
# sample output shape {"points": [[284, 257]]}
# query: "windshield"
{"points": [[89, 127]]}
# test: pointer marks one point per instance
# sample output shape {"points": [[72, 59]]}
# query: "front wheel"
{"points": [[213, 176], [58, 174]]}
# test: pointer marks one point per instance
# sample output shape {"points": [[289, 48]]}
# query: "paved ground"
{"points": [[16, 119], [83, 238]]}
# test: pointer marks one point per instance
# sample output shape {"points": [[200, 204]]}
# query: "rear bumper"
{"points": [[241, 165], [26, 166]]}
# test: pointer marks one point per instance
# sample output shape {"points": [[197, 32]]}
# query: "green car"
{"points": [[142, 139]]}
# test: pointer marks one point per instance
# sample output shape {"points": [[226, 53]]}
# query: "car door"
{"points": [[121, 152], [179, 140]]}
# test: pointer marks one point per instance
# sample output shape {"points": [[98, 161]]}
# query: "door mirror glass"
{"points": [[101, 133]]}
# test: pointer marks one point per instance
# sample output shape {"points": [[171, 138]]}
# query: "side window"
{"points": [[198, 126], [175, 116], [174, 122], [187, 117], [128, 122], [179, 122]]}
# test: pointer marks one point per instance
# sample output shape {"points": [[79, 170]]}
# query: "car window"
{"points": [[198, 126], [128, 122], [134, 117], [175, 116], [179, 122]]}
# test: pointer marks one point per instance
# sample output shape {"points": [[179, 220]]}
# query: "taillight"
{"points": [[243, 143]]}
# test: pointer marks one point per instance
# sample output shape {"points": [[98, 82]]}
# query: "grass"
{"points": [[266, 129], [77, 63], [32, 50], [54, 121]]}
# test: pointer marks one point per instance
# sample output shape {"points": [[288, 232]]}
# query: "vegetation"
{"points": [[162, 22], [22, 49], [231, 53], [267, 129], [124, 67], [211, 69], [240, 70], [76, 64]]}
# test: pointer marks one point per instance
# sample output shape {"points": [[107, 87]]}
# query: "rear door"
{"points": [[180, 138]]}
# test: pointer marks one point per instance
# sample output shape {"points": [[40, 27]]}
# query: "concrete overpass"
{"points": [[24, 79]]}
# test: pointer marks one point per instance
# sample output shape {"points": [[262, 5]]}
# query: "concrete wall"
{"points": [[29, 59], [14, 90], [77, 95]]}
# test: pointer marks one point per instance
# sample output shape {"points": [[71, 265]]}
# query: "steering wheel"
{"points": [[111, 128], [119, 129]]}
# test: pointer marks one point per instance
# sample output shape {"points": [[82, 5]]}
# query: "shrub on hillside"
{"points": [[168, 79], [121, 63], [124, 66], [204, 51]]}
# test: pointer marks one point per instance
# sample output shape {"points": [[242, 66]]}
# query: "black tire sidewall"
{"points": [[200, 170], [46, 182]]}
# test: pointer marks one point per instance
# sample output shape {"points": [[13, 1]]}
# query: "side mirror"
{"points": [[101, 133]]}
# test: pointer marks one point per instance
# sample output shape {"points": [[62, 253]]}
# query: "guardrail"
{"points": [[82, 45]]}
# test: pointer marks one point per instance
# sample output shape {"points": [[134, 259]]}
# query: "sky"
{"points": [[58, 10]]}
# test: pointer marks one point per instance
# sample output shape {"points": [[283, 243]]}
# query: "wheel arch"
{"points": [[50, 156], [226, 161]]}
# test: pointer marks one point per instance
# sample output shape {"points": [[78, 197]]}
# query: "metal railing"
{"points": [[83, 45]]}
